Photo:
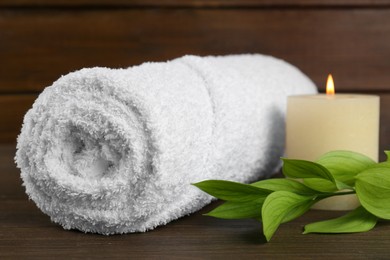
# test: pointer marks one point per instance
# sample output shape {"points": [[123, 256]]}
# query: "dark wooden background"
{"points": [[40, 40]]}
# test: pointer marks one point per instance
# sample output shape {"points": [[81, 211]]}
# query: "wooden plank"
{"points": [[27, 233], [194, 3], [38, 46], [10, 181], [13, 108]]}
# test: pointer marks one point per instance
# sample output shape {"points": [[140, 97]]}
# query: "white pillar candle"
{"points": [[316, 124]]}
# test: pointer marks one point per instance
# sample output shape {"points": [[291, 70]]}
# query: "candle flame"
{"points": [[330, 86]]}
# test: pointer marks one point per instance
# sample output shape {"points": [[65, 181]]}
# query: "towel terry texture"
{"points": [[116, 150]]}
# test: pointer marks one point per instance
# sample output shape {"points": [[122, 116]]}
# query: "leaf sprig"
{"points": [[276, 201]]}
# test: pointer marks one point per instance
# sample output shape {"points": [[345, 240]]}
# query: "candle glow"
{"points": [[330, 86]]}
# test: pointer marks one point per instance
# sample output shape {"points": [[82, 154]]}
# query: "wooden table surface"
{"points": [[26, 233]]}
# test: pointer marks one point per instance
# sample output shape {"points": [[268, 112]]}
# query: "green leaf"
{"points": [[305, 169], [232, 191], [358, 220], [344, 165], [286, 185], [343, 186], [373, 189], [238, 210], [387, 156], [299, 210], [283, 206], [320, 185]]}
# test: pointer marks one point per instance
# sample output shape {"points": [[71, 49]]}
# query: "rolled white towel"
{"points": [[115, 150]]}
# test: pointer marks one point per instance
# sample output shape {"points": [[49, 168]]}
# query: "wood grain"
{"points": [[39, 45], [27, 233], [12, 110], [196, 3], [40, 40]]}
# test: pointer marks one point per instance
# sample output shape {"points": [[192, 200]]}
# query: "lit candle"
{"points": [[316, 124]]}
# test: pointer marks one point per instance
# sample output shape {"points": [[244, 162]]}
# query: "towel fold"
{"points": [[115, 150]]}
